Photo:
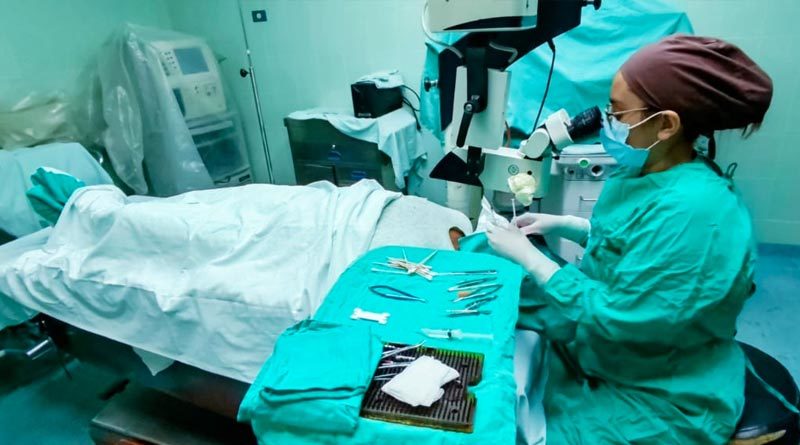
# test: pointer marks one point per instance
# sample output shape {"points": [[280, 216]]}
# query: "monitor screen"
{"points": [[191, 60]]}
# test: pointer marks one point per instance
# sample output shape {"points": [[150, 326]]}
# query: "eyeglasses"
{"points": [[611, 113]]}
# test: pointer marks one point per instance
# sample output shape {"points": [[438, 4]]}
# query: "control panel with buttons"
{"points": [[193, 75]]}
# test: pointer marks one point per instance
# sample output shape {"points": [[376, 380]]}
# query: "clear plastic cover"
{"points": [[135, 111], [35, 119]]}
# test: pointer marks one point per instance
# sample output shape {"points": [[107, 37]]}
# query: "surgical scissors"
{"points": [[396, 294]]}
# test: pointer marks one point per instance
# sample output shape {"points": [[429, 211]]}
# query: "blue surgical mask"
{"points": [[614, 137]]}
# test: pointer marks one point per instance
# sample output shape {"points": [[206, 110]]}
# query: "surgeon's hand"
{"points": [[564, 226], [510, 242]]}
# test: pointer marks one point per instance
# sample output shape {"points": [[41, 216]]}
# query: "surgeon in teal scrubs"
{"points": [[645, 327]]}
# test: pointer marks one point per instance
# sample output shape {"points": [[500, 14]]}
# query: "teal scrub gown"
{"points": [[650, 315]]}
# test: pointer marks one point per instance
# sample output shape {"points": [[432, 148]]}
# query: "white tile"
{"points": [[778, 232], [757, 195], [788, 165], [756, 156], [785, 201], [781, 16]]}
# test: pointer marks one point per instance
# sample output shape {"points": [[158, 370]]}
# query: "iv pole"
{"points": [[254, 86]]}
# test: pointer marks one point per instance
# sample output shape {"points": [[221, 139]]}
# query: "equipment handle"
{"points": [[466, 120], [334, 155], [358, 175]]}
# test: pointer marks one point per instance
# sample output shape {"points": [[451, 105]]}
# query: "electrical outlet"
{"points": [[259, 15]]}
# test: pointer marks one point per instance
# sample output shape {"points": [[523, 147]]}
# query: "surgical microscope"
{"points": [[473, 85]]}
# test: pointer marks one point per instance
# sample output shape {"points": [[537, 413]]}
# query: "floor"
{"points": [[770, 318], [57, 409]]}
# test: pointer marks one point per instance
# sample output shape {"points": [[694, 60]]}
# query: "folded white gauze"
{"points": [[421, 382]]}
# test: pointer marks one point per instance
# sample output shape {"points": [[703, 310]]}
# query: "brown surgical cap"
{"points": [[711, 84]]}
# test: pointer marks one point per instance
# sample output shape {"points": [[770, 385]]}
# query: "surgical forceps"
{"points": [[479, 283], [480, 302], [392, 364], [406, 267], [396, 351], [480, 293], [467, 311], [396, 294], [465, 272], [402, 266], [421, 265]]}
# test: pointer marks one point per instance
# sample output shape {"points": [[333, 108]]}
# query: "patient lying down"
{"points": [[215, 270], [53, 188]]}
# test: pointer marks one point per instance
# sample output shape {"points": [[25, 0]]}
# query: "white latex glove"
{"points": [[569, 227], [511, 243]]}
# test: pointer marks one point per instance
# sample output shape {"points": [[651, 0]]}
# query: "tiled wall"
{"points": [[47, 44], [218, 22], [767, 175], [310, 51], [307, 54]]}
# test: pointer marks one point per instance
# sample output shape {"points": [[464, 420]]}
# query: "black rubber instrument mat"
{"points": [[455, 411]]}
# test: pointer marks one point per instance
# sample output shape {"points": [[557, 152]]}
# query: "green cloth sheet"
{"points": [[495, 420]]}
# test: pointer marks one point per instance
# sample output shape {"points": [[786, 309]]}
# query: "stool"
{"points": [[764, 419]]}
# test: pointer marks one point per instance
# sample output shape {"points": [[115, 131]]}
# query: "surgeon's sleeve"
{"points": [[537, 315], [669, 267]]}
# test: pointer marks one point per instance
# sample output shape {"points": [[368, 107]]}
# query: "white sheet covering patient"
{"points": [[211, 278]]}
